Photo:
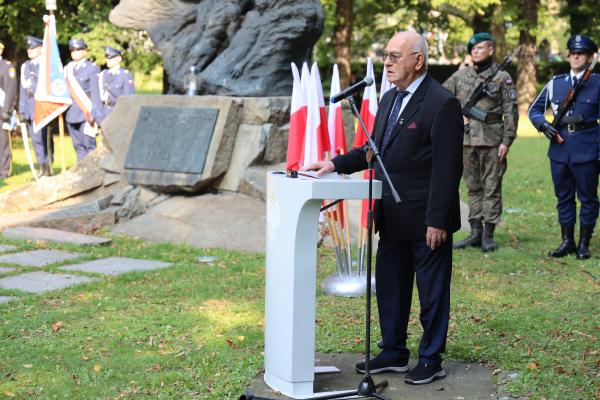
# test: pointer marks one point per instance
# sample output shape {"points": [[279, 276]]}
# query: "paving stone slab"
{"points": [[40, 282], [4, 270], [117, 265], [467, 381], [54, 235], [38, 258], [4, 248], [6, 299]]}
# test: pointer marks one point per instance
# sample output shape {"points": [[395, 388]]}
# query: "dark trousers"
{"points": [[580, 179], [82, 143], [397, 265], [44, 150], [5, 155]]}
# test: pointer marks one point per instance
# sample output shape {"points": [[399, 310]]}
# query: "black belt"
{"points": [[581, 126], [491, 118]]}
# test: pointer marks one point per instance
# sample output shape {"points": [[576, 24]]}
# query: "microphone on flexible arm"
{"points": [[368, 81]]}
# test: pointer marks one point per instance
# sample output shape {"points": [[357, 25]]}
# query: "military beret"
{"points": [[581, 43], [478, 38], [77, 44], [33, 42], [111, 52]]}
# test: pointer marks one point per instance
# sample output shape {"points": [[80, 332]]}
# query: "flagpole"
{"points": [[61, 133], [51, 7]]}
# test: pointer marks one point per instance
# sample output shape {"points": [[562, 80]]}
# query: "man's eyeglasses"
{"points": [[395, 57]]}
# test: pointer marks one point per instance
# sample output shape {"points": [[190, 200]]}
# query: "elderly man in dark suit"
{"points": [[419, 132]]}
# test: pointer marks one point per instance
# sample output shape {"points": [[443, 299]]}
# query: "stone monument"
{"points": [[238, 47]]}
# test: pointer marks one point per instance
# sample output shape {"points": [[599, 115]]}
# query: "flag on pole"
{"points": [[385, 83], [368, 108], [323, 135], [337, 138], [305, 79], [316, 139], [52, 95], [335, 123], [295, 149]]}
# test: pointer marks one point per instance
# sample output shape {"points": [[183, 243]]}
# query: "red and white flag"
{"points": [[305, 79], [335, 123], [52, 95], [368, 108], [385, 83], [316, 140], [295, 149]]}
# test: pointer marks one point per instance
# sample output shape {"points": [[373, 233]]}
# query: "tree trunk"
{"points": [[498, 31], [526, 77], [342, 39]]}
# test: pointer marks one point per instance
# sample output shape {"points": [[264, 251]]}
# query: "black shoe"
{"points": [[425, 373], [383, 363]]}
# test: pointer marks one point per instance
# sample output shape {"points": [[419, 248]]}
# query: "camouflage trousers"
{"points": [[483, 173]]}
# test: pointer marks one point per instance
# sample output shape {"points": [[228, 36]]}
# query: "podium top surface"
{"points": [[329, 186]]}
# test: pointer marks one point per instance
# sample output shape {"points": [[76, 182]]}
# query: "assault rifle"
{"points": [[470, 110], [563, 108]]}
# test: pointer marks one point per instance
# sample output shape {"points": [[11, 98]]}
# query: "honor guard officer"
{"points": [[487, 138], [82, 80], [8, 97], [114, 81], [573, 162], [30, 70]]}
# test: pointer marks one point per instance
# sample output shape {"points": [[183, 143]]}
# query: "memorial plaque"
{"points": [[171, 139]]}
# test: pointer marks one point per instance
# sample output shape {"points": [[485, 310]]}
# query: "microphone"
{"points": [[368, 81]]}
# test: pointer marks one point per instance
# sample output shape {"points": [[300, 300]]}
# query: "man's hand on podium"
{"points": [[322, 167]]}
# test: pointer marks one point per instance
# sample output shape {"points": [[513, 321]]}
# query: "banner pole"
{"points": [[61, 132]]}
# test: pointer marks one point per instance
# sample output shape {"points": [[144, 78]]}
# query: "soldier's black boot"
{"points": [[474, 239], [585, 235], [487, 239], [568, 242]]}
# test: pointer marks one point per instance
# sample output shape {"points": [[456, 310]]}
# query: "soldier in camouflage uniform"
{"points": [[486, 143]]}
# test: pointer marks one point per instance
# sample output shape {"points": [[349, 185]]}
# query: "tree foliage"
{"points": [[86, 19]]}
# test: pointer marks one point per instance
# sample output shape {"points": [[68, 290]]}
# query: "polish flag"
{"points": [[295, 149], [335, 123], [52, 94], [305, 79], [316, 140], [368, 108], [385, 83], [337, 138]]}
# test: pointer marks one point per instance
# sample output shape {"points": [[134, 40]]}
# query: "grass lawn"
{"points": [[196, 331], [21, 174]]}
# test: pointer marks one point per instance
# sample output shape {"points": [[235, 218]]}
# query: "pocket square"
{"points": [[412, 125]]}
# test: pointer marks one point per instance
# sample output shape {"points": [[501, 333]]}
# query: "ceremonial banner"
{"points": [[52, 95]]}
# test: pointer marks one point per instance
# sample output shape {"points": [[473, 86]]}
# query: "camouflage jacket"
{"points": [[503, 99]]}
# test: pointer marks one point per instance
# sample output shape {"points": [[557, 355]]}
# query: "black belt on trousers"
{"points": [[491, 118], [581, 126]]}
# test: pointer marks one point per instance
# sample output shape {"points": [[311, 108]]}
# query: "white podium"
{"points": [[293, 206]]}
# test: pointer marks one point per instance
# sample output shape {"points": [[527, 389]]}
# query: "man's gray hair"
{"points": [[420, 46]]}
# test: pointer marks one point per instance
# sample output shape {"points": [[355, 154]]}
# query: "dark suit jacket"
{"points": [[424, 160]]}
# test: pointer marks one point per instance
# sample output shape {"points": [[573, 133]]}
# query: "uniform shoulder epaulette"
{"points": [[559, 76]]}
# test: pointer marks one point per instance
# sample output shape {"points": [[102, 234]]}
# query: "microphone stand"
{"points": [[367, 387]]}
